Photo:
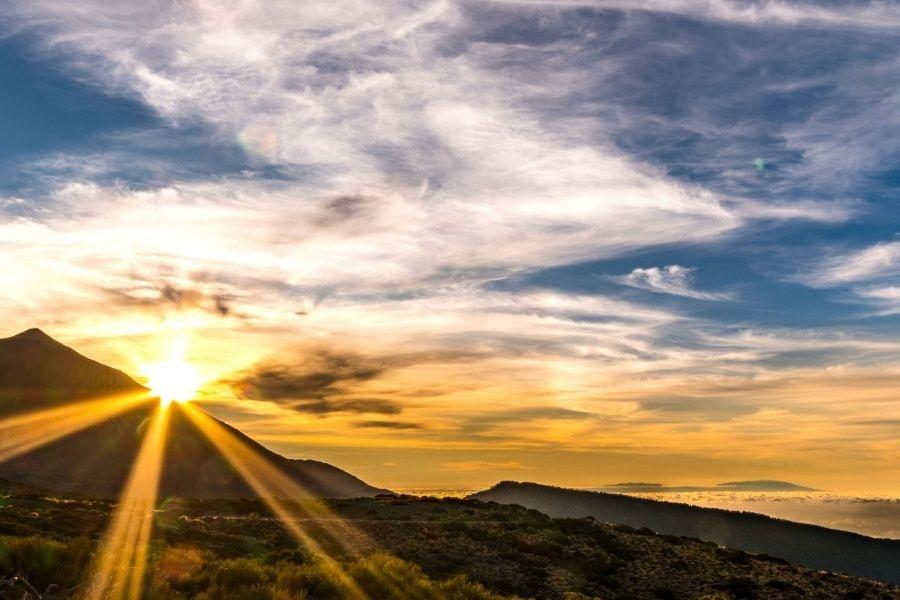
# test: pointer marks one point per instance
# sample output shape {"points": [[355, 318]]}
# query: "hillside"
{"points": [[501, 551], [37, 372], [809, 545]]}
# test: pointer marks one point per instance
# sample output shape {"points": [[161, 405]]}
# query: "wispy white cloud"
{"points": [[672, 279], [874, 14], [876, 262], [885, 298]]}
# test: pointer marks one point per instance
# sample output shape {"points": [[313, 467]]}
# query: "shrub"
{"points": [[784, 586], [664, 593], [239, 573], [221, 592], [44, 561], [735, 557], [176, 566], [740, 587], [313, 580]]}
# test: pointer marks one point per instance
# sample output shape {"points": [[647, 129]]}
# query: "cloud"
{"points": [[167, 296], [707, 408], [872, 15], [877, 265], [471, 466], [314, 376], [390, 106], [320, 380], [878, 261], [671, 279], [326, 406], [892, 423], [398, 425], [496, 423], [885, 299]]}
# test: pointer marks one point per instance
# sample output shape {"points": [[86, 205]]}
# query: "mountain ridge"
{"points": [[38, 372]]}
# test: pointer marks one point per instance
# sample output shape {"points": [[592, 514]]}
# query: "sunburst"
{"points": [[122, 559], [173, 380]]}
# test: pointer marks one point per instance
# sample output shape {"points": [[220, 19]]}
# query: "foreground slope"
{"points": [[230, 550], [809, 545], [37, 372]]}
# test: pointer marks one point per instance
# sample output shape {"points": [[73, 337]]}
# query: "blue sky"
{"points": [[599, 219]]}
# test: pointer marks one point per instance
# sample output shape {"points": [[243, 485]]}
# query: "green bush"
{"points": [[238, 573], [178, 571], [385, 576], [43, 561], [308, 580], [255, 592], [379, 576]]}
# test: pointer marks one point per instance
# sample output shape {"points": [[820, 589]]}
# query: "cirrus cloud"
{"points": [[672, 279]]}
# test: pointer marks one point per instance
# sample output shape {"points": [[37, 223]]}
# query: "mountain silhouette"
{"points": [[809, 545], [37, 372], [757, 485]]}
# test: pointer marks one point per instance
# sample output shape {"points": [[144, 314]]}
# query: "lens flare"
{"points": [[20, 434], [284, 497], [119, 570]]}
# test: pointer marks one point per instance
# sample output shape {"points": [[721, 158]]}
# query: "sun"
{"points": [[173, 380]]}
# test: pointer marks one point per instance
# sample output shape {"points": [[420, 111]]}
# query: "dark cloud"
{"points": [[309, 378], [714, 409], [325, 406], [480, 423], [323, 380], [400, 425], [877, 422], [343, 209], [169, 296], [222, 304]]}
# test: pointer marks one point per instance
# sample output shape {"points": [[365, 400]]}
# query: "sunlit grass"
{"points": [[25, 432], [120, 568], [283, 495]]}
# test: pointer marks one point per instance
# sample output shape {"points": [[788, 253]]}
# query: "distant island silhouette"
{"points": [[756, 485]]}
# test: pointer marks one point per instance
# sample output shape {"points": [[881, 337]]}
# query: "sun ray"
{"points": [[22, 433], [119, 570], [282, 494]]}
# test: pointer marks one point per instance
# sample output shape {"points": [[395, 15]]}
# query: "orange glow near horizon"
{"points": [[120, 567], [20, 434], [283, 496]]}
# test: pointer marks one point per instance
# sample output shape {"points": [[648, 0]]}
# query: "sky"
{"points": [[443, 244]]}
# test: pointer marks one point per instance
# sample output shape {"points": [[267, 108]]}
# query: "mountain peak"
{"points": [[33, 334], [37, 371]]}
